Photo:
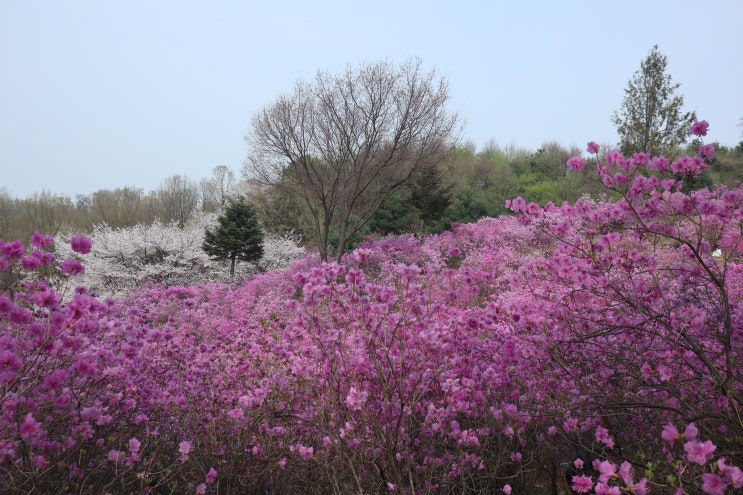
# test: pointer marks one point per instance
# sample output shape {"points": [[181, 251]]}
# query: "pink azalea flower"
{"points": [[184, 447], [576, 163], [699, 452], [713, 484], [201, 489], [10, 362], [134, 445], [660, 164], [582, 484], [211, 475], [32, 262], [80, 244], [355, 399], [507, 489], [614, 157], [29, 428], [305, 452], [733, 474], [602, 436], [700, 128], [453, 252], [607, 470], [604, 489], [236, 413], [691, 432], [578, 463], [707, 151], [641, 488], [40, 240], [71, 267], [361, 255], [592, 148], [86, 366], [89, 413], [625, 472], [12, 250]]}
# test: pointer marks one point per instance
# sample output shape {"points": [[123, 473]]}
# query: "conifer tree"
{"points": [[651, 118], [238, 236]]}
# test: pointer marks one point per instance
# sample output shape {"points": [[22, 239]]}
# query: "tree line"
{"points": [[374, 151], [468, 185], [177, 199]]}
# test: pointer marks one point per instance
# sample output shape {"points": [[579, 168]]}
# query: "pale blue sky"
{"points": [[103, 94]]}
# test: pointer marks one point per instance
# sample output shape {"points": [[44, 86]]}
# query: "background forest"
{"points": [[470, 185]]}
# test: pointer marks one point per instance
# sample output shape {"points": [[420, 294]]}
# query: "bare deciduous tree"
{"points": [[215, 191], [178, 196], [120, 207], [346, 143]]}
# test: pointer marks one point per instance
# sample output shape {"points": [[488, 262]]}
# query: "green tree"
{"points": [[469, 205], [236, 237], [395, 216], [429, 196], [651, 117]]}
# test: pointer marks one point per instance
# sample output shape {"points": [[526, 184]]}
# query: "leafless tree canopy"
{"points": [[346, 142], [178, 196]]}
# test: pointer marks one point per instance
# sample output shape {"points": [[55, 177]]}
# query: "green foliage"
{"points": [[429, 196], [395, 216], [280, 212], [352, 242], [651, 117], [548, 163], [469, 205], [727, 166], [238, 236], [542, 192]]}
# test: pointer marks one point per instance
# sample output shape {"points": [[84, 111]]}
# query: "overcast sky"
{"points": [[104, 94]]}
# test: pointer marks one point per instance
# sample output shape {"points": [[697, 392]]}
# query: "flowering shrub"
{"points": [[81, 406], [482, 360]]}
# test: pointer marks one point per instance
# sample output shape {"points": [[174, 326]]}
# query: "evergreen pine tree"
{"points": [[238, 236]]}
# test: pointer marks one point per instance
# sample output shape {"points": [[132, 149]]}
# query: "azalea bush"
{"points": [[592, 347], [81, 402]]}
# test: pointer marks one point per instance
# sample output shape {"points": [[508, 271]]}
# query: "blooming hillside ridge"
{"points": [[595, 344]]}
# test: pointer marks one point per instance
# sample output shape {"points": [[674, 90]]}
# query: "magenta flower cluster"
{"points": [[409, 366]]}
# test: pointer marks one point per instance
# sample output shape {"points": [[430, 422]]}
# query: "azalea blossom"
{"points": [[699, 452], [29, 427], [582, 484], [700, 128], [185, 447], [211, 475]]}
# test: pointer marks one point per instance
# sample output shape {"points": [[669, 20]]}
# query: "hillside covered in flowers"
{"points": [[592, 347]]}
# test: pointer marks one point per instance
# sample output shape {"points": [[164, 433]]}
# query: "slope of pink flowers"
{"points": [[594, 345]]}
